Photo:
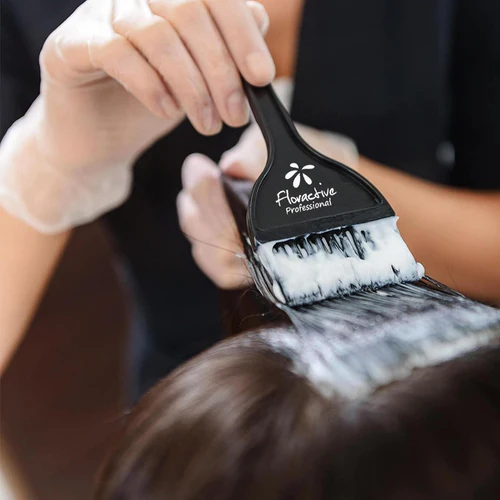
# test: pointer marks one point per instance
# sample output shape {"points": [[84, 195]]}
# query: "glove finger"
{"points": [[248, 158]]}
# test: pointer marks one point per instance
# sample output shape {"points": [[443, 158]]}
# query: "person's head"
{"points": [[385, 396]]}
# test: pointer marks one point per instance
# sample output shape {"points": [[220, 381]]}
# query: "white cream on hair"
{"points": [[350, 347]]}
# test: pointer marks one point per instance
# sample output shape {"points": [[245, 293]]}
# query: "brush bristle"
{"points": [[338, 262]]}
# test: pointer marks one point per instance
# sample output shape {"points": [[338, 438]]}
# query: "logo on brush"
{"points": [[297, 174], [301, 203]]}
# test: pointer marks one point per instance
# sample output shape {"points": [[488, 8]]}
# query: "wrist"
{"points": [[46, 196]]}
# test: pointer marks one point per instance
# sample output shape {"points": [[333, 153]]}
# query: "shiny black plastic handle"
{"points": [[300, 191], [272, 117]]}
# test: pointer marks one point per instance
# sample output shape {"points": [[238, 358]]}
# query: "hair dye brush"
{"points": [[318, 228]]}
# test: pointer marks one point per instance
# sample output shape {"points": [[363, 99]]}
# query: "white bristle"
{"points": [[331, 264]]}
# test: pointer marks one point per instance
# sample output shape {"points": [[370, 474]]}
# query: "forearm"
{"points": [[27, 260], [455, 233]]}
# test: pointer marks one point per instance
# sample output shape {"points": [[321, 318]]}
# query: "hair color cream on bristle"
{"points": [[300, 278]]}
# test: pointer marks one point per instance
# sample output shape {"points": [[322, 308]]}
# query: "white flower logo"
{"points": [[299, 174]]}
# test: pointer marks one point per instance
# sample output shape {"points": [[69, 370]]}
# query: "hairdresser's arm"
{"points": [[27, 259], [454, 232], [116, 76]]}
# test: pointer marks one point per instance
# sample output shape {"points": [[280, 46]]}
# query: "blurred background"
{"points": [[61, 397]]}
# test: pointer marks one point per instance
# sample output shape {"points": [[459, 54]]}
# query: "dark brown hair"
{"points": [[221, 426], [253, 419], [237, 423]]}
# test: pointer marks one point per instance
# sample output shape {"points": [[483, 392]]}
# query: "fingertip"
{"points": [[195, 168], [238, 110], [187, 211], [180, 202], [208, 128], [216, 129], [168, 106], [260, 15], [226, 162], [260, 66], [260, 69], [231, 165]]}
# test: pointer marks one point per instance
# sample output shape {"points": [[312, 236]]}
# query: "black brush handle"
{"points": [[272, 117], [300, 191]]}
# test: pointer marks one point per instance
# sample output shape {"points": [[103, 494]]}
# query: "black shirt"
{"points": [[415, 83]]}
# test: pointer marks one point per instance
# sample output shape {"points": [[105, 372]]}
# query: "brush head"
{"points": [[335, 263], [318, 228]]}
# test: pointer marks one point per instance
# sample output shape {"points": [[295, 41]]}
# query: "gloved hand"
{"points": [[116, 76], [205, 216]]}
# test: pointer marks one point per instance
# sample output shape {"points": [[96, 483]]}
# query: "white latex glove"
{"points": [[205, 216], [116, 76]]}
